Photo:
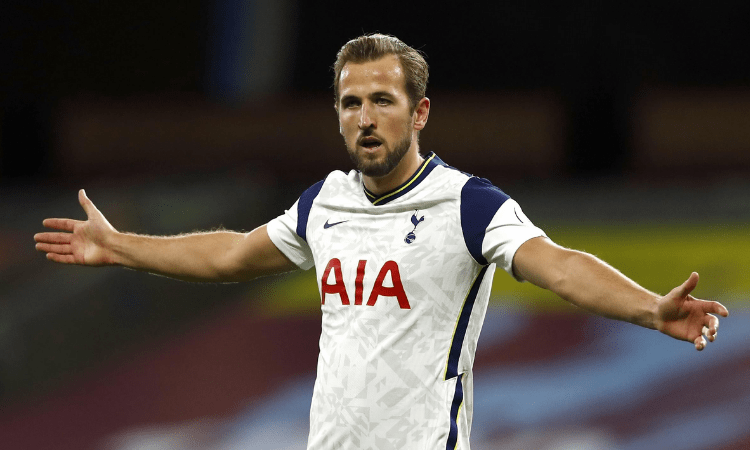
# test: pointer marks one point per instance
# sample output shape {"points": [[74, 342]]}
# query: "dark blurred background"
{"points": [[613, 89], [616, 122]]}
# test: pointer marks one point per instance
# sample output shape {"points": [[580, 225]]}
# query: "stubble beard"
{"points": [[380, 168]]}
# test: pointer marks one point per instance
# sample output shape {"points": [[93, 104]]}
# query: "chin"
{"points": [[375, 167], [380, 163], [376, 172]]}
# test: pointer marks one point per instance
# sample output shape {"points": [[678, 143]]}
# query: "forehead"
{"points": [[378, 75]]}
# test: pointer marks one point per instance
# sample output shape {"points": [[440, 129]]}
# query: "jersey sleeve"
{"points": [[506, 232], [493, 224], [288, 232]]}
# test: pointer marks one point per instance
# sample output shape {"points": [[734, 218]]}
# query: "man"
{"points": [[405, 249]]}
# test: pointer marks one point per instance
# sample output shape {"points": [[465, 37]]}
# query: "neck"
{"points": [[398, 176]]}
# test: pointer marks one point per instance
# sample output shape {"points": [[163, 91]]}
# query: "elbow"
{"points": [[222, 270], [227, 271]]}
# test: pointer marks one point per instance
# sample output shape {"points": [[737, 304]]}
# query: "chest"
{"points": [[387, 259], [406, 235]]}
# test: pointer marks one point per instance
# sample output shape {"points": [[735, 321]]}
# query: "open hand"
{"points": [[79, 242], [684, 317]]}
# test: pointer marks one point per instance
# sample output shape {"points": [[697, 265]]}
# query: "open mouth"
{"points": [[370, 143]]}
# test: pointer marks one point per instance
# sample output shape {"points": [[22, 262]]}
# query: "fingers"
{"points": [[61, 224], [62, 249], [718, 308], [687, 287], [53, 238], [63, 259], [86, 204], [69, 224], [700, 343], [56, 246], [53, 242], [710, 330], [710, 327]]}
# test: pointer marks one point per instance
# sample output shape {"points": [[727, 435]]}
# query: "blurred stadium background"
{"points": [[623, 130]]}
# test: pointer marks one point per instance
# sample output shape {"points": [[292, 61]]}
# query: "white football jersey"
{"points": [[404, 279]]}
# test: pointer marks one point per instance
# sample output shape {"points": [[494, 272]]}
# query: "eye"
{"points": [[382, 101], [351, 103]]}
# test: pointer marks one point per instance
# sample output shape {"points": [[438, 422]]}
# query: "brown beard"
{"points": [[377, 169]]}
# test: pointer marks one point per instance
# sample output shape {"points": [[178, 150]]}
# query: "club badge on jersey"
{"points": [[411, 236]]}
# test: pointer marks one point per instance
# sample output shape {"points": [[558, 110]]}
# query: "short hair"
{"points": [[375, 46]]}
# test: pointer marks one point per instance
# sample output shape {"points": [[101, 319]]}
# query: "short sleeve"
{"points": [[493, 224], [288, 232], [506, 232]]}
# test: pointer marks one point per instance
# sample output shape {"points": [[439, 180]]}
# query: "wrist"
{"points": [[650, 316], [114, 249]]}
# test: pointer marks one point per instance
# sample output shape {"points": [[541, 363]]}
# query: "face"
{"points": [[375, 115]]}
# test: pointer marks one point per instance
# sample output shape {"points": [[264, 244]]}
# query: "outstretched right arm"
{"points": [[221, 256]]}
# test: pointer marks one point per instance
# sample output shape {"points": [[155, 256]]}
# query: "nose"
{"points": [[366, 119]]}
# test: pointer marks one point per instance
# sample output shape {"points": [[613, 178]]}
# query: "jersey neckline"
{"points": [[430, 162]]}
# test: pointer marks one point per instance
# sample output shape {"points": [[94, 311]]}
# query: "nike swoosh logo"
{"points": [[329, 225]]}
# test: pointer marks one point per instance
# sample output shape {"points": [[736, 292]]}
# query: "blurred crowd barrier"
{"points": [[297, 137], [699, 130], [515, 134]]}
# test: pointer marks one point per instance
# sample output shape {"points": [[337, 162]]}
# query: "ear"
{"points": [[421, 113]]}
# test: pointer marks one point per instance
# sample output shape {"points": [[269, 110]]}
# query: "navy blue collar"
{"points": [[430, 162]]}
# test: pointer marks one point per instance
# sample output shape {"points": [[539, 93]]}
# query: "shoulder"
{"points": [[306, 200], [338, 188], [481, 193], [480, 202], [471, 189], [335, 182]]}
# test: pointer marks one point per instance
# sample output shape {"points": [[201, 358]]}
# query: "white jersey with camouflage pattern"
{"points": [[404, 280]]}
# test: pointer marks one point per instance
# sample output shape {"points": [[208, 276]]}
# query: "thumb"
{"points": [[687, 287], [86, 204]]}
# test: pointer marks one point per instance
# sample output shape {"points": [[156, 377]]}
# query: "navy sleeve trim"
{"points": [[480, 201], [303, 208], [458, 400], [462, 324]]}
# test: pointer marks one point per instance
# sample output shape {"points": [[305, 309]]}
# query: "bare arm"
{"points": [[221, 256], [588, 282]]}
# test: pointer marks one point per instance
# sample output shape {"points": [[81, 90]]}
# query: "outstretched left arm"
{"points": [[588, 282]]}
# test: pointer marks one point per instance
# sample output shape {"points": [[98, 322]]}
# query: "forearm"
{"points": [[591, 284], [221, 256], [191, 257]]}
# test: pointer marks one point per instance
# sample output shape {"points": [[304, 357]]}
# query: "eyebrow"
{"points": [[346, 98], [381, 94], [386, 94]]}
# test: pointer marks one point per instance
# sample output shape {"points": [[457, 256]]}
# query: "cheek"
{"points": [[345, 125], [398, 126]]}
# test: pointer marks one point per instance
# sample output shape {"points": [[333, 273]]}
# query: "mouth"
{"points": [[370, 143]]}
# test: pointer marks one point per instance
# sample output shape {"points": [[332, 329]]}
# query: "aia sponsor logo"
{"points": [[378, 289]]}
